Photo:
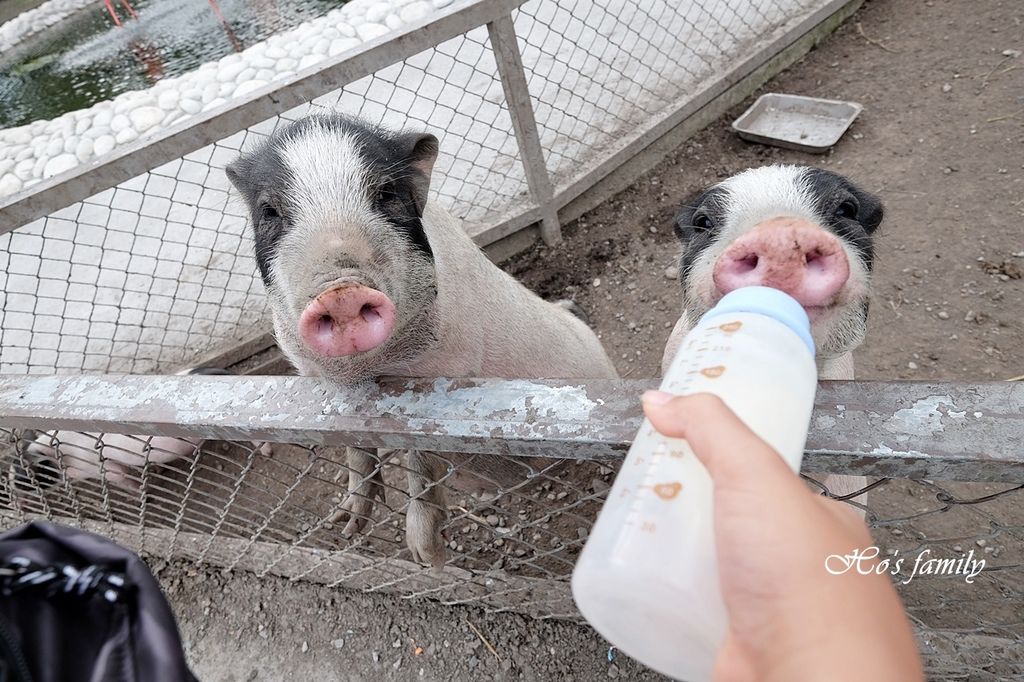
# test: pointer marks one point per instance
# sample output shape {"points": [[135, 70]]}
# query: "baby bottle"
{"points": [[647, 578]]}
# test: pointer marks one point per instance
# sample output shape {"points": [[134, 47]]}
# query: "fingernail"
{"points": [[656, 397]]}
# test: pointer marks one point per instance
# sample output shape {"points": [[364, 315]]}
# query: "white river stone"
{"points": [[126, 135], [23, 169], [102, 118], [102, 145], [309, 60], [18, 136], [83, 150], [229, 73], [377, 12], [370, 31], [168, 99], [9, 184], [145, 118], [415, 11], [247, 87], [275, 52], [214, 103], [119, 123], [59, 164]]}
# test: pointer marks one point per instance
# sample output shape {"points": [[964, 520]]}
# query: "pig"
{"points": [[806, 231], [368, 277], [79, 454]]}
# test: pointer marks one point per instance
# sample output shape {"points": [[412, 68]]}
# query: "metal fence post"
{"points": [[513, 80]]}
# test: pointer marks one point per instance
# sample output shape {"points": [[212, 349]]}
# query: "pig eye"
{"points": [[268, 212], [702, 222], [386, 193], [847, 209]]}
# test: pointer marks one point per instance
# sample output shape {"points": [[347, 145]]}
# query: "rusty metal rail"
{"points": [[960, 432]]}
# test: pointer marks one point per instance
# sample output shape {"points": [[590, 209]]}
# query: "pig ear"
{"points": [[236, 174], [423, 149]]}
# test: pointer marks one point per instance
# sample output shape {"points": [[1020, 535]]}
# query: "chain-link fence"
{"points": [[148, 271], [276, 508]]}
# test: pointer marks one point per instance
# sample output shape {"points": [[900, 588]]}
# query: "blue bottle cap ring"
{"points": [[769, 302]]}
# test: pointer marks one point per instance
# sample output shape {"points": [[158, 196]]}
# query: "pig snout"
{"points": [[346, 320], [793, 255]]}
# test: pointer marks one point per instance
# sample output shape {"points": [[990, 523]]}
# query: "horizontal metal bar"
{"points": [[905, 430], [196, 132]]}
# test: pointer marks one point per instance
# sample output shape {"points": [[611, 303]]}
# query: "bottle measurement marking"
{"points": [[651, 483], [699, 362]]}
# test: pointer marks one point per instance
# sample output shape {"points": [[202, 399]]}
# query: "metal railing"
{"points": [[951, 458]]}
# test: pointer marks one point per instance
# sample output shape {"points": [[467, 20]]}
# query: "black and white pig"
{"points": [[806, 231], [368, 277]]}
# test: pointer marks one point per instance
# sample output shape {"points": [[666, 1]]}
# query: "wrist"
{"points": [[853, 631]]}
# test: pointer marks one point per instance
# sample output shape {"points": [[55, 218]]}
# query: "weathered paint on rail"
{"points": [[908, 430]]}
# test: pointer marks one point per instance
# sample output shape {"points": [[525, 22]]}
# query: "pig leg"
{"points": [[841, 368], [428, 508], [365, 485], [265, 449]]}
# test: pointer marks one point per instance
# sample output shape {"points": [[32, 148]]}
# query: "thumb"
{"points": [[733, 454]]}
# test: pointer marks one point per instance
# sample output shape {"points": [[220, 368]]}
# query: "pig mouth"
{"points": [[817, 313]]}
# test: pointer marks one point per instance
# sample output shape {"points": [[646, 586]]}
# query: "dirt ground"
{"points": [[941, 140]]}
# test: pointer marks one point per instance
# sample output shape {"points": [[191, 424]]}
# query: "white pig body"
{"points": [[367, 278]]}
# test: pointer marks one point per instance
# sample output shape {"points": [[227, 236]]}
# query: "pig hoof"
{"points": [[574, 309], [423, 534], [356, 510]]}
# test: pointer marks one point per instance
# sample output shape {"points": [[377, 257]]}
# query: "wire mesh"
{"points": [[274, 509], [151, 274], [599, 70]]}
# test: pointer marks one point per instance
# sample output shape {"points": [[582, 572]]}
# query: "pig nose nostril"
{"points": [[748, 263], [369, 313]]}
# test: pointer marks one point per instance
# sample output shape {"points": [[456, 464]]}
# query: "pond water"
{"points": [[87, 59]]}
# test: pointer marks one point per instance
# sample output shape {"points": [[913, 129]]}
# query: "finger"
{"points": [[729, 450]]}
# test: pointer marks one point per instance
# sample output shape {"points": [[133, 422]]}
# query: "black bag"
{"points": [[75, 606]]}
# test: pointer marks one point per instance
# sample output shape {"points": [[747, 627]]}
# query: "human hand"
{"points": [[789, 619]]}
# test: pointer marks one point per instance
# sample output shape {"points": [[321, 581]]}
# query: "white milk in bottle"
{"points": [[647, 578]]}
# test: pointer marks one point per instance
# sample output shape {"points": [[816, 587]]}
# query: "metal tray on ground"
{"points": [[807, 124]]}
